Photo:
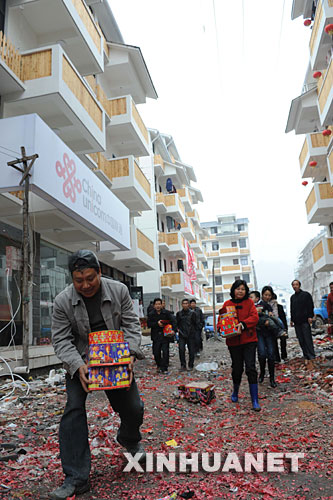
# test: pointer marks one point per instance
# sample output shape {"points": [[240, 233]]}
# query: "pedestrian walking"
{"points": [[157, 320], [200, 325], [330, 309], [242, 348], [301, 305], [267, 335], [187, 325], [92, 303], [282, 339]]}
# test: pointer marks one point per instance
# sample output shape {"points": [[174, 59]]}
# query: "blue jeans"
{"points": [[73, 430], [266, 346]]}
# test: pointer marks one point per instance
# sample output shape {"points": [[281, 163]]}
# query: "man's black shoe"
{"points": [[68, 489], [133, 449]]}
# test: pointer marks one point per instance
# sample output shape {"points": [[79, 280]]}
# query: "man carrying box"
{"points": [[157, 319], [92, 303]]}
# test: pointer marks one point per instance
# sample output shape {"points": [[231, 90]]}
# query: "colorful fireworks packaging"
{"points": [[197, 392]]}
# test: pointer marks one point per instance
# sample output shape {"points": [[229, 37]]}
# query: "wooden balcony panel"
{"points": [[158, 160], [37, 65], [160, 198], [244, 250], [320, 140], [329, 240], [325, 191], [230, 268], [10, 55], [145, 244], [227, 286], [228, 250], [91, 80], [316, 25], [162, 237], [88, 21], [246, 268], [81, 92], [304, 152], [330, 161], [114, 168], [311, 200], [326, 88], [244, 233], [213, 254], [142, 179], [318, 252], [139, 122]]}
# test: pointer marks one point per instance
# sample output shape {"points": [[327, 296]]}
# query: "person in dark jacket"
{"points": [[187, 326], [200, 324], [157, 319], [283, 338], [301, 305], [243, 347]]}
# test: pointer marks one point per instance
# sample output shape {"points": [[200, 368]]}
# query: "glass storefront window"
{"points": [[54, 277]]}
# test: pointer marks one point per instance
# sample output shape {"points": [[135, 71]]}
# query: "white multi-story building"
{"points": [[311, 114], [228, 250], [66, 62], [174, 223]]}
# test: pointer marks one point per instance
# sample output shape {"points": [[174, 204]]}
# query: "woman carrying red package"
{"points": [[243, 347]]}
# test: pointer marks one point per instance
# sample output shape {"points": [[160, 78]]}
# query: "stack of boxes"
{"points": [[109, 357]]}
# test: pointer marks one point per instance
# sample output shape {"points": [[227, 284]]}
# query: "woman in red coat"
{"points": [[243, 347]]}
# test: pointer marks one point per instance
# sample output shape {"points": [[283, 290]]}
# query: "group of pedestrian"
{"points": [[185, 327], [262, 326]]}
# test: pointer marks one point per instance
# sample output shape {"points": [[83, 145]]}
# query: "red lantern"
{"points": [[313, 163], [317, 74], [307, 22], [329, 29], [327, 132], [305, 183]]}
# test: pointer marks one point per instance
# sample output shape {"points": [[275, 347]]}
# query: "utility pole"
{"points": [[26, 276]]}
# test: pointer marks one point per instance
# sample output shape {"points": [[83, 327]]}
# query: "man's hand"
{"points": [[291, 324], [310, 320], [240, 327], [266, 322], [83, 375], [131, 370], [160, 323]]}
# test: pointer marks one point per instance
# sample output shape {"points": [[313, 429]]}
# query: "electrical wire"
{"points": [[281, 26], [6, 154], [14, 382], [11, 150]]}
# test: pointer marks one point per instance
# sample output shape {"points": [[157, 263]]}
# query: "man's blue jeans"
{"points": [[73, 431], [266, 346]]}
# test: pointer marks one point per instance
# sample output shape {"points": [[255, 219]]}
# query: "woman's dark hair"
{"points": [[267, 288], [256, 293], [236, 285]]}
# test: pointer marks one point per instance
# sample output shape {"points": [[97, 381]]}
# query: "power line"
{"points": [[281, 26], [11, 150], [6, 154]]}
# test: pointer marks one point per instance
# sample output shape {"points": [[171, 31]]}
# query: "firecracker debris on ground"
{"points": [[295, 417]]}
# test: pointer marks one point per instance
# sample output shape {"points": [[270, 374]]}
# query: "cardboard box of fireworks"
{"points": [[228, 324], [197, 392], [108, 360]]}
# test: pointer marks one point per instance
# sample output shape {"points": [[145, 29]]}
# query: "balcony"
{"points": [[202, 274], [10, 67], [246, 269], [177, 283], [229, 251], [139, 259], [126, 134], [330, 166], [46, 22], [176, 244], [325, 96], [320, 41], [163, 245], [319, 204], [187, 229], [129, 183], [170, 204], [159, 166], [59, 95], [322, 255], [196, 244], [314, 149], [186, 198], [230, 269], [193, 214]]}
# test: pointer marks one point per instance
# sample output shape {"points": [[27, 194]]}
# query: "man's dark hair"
{"points": [[157, 299], [256, 293], [193, 300], [269, 289], [83, 259], [184, 300], [296, 280], [236, 284], [331, 283]]}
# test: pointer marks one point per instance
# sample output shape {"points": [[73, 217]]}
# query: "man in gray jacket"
{"points": [[92, 303]]}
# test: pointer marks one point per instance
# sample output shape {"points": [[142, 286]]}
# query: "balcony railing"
{"points": [[230, 268], [158, 160], [10, 55], [322, 255], [319, 203], [325, 95], [229, 250], [88, 21], [316, 25], [145, 244]]}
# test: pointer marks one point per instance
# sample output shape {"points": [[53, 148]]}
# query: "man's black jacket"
{"points": [[186, 323], [154, 318], [301, 305], [200, 318]]}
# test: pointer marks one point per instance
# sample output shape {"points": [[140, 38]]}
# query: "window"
{"points": [[205, 265], [160, 260], [165, 266], [218, 280], [219, 298], [241, 227], [213, 230], [244, 261], [171, 266], [163, 227], [235, 262], [234, 244], [215, 246], [246, 277], [280, 294], [283, 301], [158, 222], [242, 242], [216, 263]]}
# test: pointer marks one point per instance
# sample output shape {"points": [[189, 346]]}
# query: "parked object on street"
{"points": [[207, 367], [320, 314]]}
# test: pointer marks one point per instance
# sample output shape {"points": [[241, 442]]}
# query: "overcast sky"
{"points": [[225, 100]]}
